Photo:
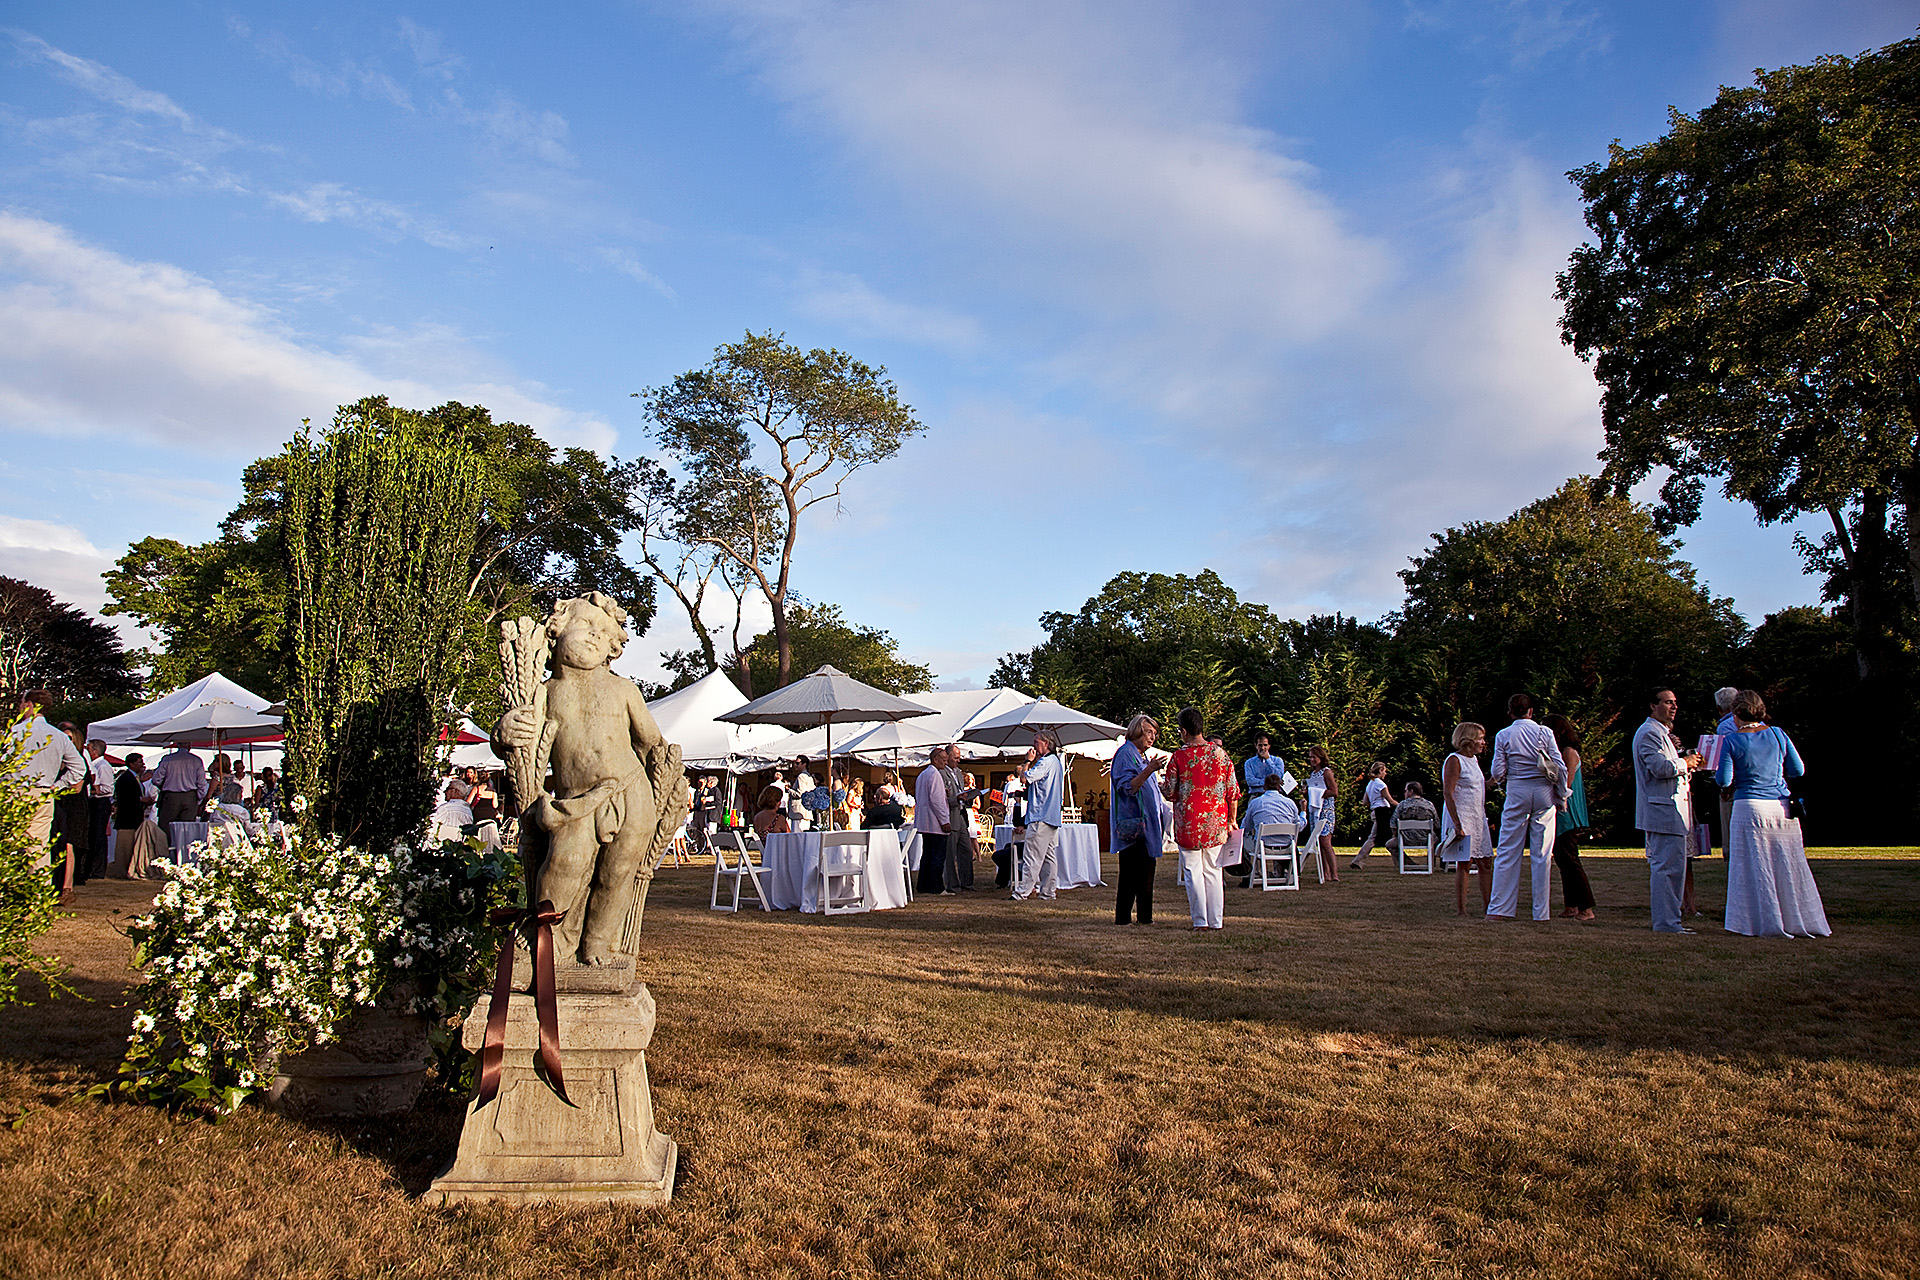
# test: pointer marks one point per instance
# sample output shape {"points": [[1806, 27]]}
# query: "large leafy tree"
{"points": [[763, 433], [821, 636], [550, 524], [1575, 599], [1156, 642], [1751, 306], [45, 643]]}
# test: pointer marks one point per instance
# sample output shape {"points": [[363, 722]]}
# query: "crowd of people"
{"points": [[114, 822], [1189, 802], [97, 821]]}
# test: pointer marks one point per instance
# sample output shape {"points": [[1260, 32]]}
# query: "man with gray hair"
{"points": [[1723, 700], [957, 874], [50, 764], [1045, 779]]}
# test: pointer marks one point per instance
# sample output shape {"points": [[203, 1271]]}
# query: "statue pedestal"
{"points": [[527, 1146]]}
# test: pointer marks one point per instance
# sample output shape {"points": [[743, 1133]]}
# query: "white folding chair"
{"points": [[742, 868], [1276, 859], [910, 859], [1420, 836], [843, 872]]}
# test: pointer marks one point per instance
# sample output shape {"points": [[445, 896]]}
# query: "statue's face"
{"points": [[587, 642]]}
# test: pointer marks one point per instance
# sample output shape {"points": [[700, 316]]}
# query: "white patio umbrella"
{"points": [[1016, 728], [209, 724], [825, 698]]}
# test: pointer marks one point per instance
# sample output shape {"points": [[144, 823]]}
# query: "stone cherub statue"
{"points": [[615, 795]]}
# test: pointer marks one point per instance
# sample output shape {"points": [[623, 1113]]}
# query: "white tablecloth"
{"points": [[1078, 859], [182, 836], [791, 871]]}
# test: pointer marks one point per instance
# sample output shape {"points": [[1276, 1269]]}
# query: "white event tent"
{"points": [[907, 742], [689, 717], [126, 729]]}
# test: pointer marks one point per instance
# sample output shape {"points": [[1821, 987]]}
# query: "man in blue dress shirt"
{"points": [[1262, 765]]}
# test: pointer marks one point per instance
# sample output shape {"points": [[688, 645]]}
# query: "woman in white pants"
{"points": [[1206, 798]]}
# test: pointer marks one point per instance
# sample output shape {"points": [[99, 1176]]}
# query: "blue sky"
{"points": [[1265, 288]]}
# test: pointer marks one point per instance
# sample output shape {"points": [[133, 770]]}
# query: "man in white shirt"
{"points": [[1527, 819], [52, 764], [1663, 807], [99, 808], [799, 817], [932, 820]]}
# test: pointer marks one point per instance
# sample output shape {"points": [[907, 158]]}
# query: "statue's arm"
{"points": [[646, 734]]}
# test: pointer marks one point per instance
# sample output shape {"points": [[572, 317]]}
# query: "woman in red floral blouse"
{"points": [[1206, 798]]}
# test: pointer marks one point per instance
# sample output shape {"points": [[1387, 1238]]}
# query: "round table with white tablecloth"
{"points": [[1078, 856], [181, 837], [790, 870]]}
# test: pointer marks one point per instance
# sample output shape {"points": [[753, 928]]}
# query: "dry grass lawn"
{"points": [[1347, 1081]]}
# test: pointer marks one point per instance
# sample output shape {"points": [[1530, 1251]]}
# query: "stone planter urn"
{"points": [[375, 1068]]}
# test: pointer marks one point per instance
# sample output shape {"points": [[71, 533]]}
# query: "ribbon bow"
{"points": [[493, 1049]]}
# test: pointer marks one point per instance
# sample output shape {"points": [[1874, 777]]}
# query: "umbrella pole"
{"points": [[829, 725]]}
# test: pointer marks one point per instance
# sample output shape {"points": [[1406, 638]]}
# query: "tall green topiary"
{"points": [[380, 521]]}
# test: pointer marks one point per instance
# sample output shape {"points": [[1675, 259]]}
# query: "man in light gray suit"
{"points": [[1663, 807]]}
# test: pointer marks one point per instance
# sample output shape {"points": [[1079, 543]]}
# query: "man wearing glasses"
{"points": [[1663, 807]]}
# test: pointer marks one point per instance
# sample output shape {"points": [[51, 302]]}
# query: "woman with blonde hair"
{"points": [[1463, 818], [1323, 792]]}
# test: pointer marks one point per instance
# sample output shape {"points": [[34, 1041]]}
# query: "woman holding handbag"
{"points": [[1770, 888], [1206, 797]]}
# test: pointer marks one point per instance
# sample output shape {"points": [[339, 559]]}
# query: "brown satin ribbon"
{"points": [[546, 1005]]}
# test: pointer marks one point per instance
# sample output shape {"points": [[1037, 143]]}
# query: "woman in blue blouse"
{"points": [[1770, 888]]}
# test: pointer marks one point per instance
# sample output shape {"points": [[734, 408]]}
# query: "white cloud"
{"points": [[95, 344], [848, 300], [629, 265], [105, 83], [332, 202], [60, 559], [1777, 33]]}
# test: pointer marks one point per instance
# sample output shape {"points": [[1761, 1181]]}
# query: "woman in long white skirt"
{"points": [[1770, 888]]}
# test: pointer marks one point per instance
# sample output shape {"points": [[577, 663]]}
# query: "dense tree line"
{"points": [[1577, 599], [48, 644]]}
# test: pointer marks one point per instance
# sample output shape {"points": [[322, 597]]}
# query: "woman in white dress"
{"points": [[1463, 790], [1770, 888]]}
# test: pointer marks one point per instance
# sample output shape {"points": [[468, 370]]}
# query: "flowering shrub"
{"points": [[265, 948]]}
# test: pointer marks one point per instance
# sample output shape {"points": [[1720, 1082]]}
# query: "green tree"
{"points": [[379, 519], [45, 644], [820, 635], [1750, 308], [550, 524], [764, 433], [1157, 642], [1575, 599], [1342, 710]]}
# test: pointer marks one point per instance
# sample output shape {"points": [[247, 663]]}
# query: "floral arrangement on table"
{"points": [[266, 947]]}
